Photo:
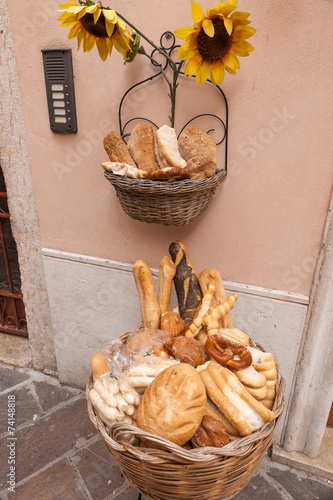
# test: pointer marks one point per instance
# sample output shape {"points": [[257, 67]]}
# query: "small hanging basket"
{"points": [[175, 203]]}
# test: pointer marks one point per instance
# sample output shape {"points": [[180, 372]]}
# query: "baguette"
{"points": [[186, 282], [150, 309], [167, 272]]}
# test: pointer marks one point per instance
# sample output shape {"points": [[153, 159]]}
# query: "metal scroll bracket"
{"points": [[168, 46]]}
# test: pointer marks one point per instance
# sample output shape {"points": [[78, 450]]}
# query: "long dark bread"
{"points": [[186, 282]]}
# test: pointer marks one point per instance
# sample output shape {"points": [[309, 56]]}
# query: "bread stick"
{"points": [[150, 309], [167, 272], [211, 275]]}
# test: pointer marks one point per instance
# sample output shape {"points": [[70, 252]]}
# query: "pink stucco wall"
{"points": [[265, 224]]}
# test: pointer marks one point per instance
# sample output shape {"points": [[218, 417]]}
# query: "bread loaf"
{"points": [[117, 150], [174, 404], [166, 148], [199, 151], [186, 282], [150, 309], [141, 147]]}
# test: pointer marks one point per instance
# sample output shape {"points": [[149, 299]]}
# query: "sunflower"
{"points": [[93, 24], [213, 43]]}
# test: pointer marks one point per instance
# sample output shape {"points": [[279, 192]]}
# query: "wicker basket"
{"points": [[174, 203], [174, 473]]}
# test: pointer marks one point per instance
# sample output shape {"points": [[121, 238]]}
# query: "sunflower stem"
{"points": [[176, 67]]}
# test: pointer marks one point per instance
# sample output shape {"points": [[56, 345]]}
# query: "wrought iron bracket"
{"points": [[167, 46]]}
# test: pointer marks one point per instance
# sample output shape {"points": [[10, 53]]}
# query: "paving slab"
{"points": [[51, 395], [58, 482], [10, 377], [47, 439], [26, 407], [301, 487], [98, 470]]}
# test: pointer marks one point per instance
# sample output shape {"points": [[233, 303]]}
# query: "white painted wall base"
{"points": [[94, 300]]}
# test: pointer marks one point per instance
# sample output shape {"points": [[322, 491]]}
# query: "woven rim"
{"points": [[118, 442], [170, 188]]}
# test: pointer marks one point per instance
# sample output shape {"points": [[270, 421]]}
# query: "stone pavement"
{"points": [[59, 456]]}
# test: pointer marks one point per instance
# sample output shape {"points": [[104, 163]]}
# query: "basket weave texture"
{"points": [[174, 203], [175, 473]]}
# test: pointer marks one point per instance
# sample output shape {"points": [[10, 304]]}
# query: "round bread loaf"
{"points": [[174, 404]]}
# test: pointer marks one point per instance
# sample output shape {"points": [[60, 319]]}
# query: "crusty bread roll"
{"points": [[166, 148], [150, 309], [235, 335], [124, 170], [141, 146], [199, 151], [174, 404], [99, 365], [169, 174], [212, 411], [250, 377], [116, 149]]}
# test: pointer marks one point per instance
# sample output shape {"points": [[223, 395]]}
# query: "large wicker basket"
{"points": [[174, 473], [174, 203]]}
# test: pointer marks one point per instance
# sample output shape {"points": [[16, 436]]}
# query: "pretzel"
{"points": [[212, 321], [223, 350], [202, 311]]}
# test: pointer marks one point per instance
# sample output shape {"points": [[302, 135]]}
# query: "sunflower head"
{"points": [[93, 25], [214, 42]]}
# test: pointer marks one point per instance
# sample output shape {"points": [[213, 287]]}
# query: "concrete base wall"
{"points": [[94, 300]]}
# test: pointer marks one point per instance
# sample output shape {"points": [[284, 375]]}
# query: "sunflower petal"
{"points": [[97, 14], [110, 16], [93, 8], [217, 72], [183, 33], [204, 71], [215, 11], [80, 38], [228, 25], [120, 44], [66, 16], [198, 14], [69, 22], [74, 30], [109, 28], [244, 32], [103, 49], [88, 42], [208, 27], [193, 65], [228, 7], [239, 50], [228, 62], [76, 10], [68, 4], [185, 55]]}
